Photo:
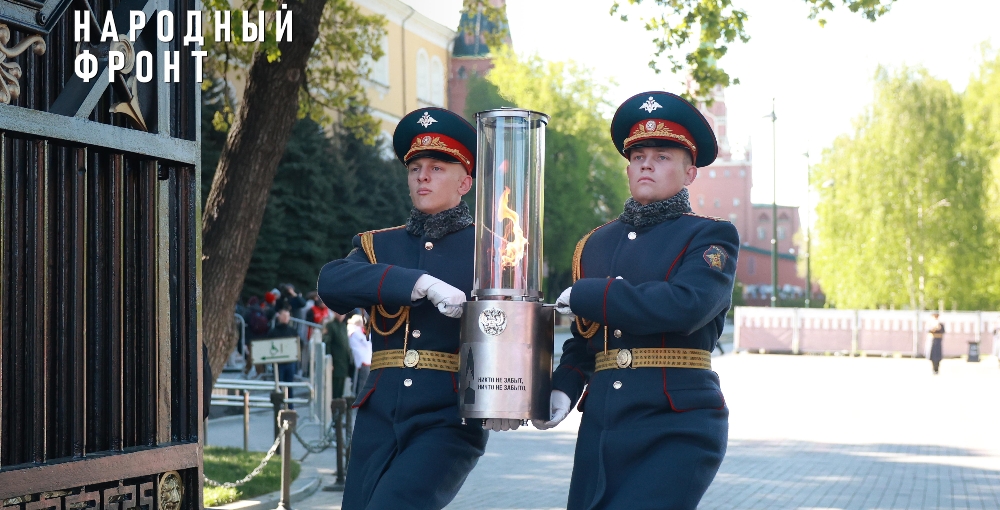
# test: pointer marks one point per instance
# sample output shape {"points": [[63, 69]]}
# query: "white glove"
{"points": [[500, 424], [562, 304], [559, 406], [446, 298]]}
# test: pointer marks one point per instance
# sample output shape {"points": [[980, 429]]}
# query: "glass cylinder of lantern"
{"points": [[509, 204], [507, 332]]}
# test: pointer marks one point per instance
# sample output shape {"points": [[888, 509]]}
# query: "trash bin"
{"points": [[973, 352]]}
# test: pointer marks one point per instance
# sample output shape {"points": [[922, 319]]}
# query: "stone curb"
{"points": [[270, 501]]}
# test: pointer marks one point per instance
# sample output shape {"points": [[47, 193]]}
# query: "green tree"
{"points": [[317, 72], [902, 210], [585, 184], [982, 148], [318, 201], [483, 95], [695, 34]]}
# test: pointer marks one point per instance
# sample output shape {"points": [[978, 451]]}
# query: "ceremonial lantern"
{"points": [[507, 333]]}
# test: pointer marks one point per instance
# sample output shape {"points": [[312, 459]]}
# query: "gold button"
{"points": [[428, 245], [618, 333], [631, 235], [616, 385], [408, 382], [416, 333]]}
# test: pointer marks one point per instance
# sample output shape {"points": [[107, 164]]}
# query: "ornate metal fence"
{"points": [[99, 220]]}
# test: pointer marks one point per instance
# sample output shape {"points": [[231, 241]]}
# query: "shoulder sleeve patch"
{"points": [[716, 257]]}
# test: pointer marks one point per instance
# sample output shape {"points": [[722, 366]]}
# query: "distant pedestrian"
{"points": [[361, 351], [996, 343], [317, 313], [936, 332], [283, 329], [338, 348]]}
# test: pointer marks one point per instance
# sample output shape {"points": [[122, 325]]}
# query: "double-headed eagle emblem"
{"points": [[650, 105], [426, 120]]}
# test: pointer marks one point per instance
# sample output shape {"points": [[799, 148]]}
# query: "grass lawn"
{"points": [[231, 464]]}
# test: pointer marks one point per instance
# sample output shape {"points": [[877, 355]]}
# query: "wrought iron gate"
{"points": [[100, 380]]}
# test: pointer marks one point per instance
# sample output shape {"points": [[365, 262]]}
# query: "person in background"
{"points": [[270, 304], [282, 329], [317, 313], [361, 351], [996, 343], [935, 336], [338, 348]]}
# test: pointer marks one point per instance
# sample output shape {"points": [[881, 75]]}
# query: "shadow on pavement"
{"points": [[809, 475]]}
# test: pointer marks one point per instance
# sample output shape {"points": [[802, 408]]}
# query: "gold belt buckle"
{"points": [[624, 358], [411, 358]]}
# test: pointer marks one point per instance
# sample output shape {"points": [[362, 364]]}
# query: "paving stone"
{"points": [[806, 433]]}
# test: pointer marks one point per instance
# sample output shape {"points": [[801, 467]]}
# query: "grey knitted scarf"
{"points": [[639, 215], [436, 226]]}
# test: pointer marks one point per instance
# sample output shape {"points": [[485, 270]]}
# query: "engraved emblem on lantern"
{"points": [[492, 321]]}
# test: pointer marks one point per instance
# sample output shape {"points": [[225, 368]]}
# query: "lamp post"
{"points": [[774, 208]]}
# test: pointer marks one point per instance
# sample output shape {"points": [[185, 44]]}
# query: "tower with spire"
{"points": [[471, 53]]}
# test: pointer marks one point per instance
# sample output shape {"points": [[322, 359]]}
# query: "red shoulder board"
{"points": [[713, 218]]}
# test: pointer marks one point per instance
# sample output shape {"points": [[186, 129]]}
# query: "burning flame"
{"points": [[512, 242]]}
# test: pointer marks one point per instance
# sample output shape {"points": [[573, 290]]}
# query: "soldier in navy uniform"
{"points": [[410, 448], [650, 295]]}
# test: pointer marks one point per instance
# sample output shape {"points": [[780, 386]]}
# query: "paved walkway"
{"points": [[806, 433]]}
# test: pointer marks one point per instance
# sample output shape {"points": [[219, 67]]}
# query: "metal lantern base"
{"points": [[505, 360]]}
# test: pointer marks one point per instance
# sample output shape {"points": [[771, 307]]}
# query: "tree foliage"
{"points": [[585, 184], [318, 201], [318, 71], [695, 34], [982, 149], [902, 217], [702, 31], [348, 41]]}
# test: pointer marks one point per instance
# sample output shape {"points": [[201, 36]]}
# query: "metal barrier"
{"points": [[246, 400], [859, 332], [333, 416]]}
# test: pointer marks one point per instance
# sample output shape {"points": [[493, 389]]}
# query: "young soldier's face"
{"points": [[437, 186], [658, 173]]}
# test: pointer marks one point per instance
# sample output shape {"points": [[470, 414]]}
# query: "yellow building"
{"points": [[413, 71]]}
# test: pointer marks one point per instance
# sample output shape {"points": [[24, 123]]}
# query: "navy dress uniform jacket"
{"points": [[410, 449], [649, 437]]}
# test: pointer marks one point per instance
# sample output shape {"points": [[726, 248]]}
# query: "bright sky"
{"points": [[820, 78]]}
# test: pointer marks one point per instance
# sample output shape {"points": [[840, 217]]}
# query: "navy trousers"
{"points": [[638, 449], [410, 449]]}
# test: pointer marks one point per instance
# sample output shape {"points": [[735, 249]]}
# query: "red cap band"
{"points": [[441, 143], [659, 129]]}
